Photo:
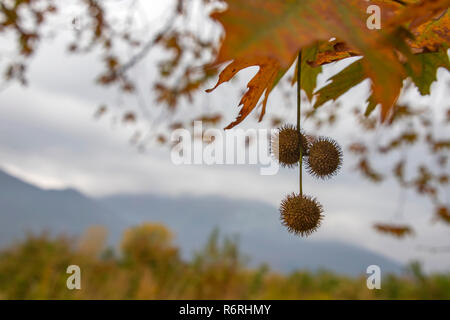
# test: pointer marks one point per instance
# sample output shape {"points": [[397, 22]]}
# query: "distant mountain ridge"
{"points": [[27, 208], [24, 207]]}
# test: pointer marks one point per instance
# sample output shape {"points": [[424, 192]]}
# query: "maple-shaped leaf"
{"points": [[309, 72], [258, 31], [270, 72], [340, 83], [372, 104]]}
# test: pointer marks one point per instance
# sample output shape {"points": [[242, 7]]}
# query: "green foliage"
{"points": [[149, 267], [309, 74], [341, 83]]}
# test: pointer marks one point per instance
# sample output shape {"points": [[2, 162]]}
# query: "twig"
{"points": [[299, 110]]}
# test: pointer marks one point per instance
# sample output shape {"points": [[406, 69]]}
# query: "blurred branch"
{"points": [[149, 45]]}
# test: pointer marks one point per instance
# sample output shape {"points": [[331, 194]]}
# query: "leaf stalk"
{"points": [[299, 111]]}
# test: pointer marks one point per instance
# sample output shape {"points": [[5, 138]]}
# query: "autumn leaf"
{"points": [[129, 117], [423, 72], [432, 35], [399, 231], [422, 69], [309, 72], [270, 72], [332, 51], [259, 31], [418, 13], [443, 213], [366, 169], [209, 119], [371, 106]]}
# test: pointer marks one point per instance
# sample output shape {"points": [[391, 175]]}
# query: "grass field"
{"points": [[148, 266]]}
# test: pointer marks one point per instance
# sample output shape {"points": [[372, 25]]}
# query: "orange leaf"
{"points": [[443, 213], [331, 52], [262, 83], [419, 13]]}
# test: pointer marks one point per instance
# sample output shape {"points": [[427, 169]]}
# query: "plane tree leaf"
{"points": [[309, 72], [432, 35], [371, 106], [270, 72], [424, 71], [340, 83]]}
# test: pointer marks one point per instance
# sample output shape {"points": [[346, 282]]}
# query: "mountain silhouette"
{"points": [[27, 208]]}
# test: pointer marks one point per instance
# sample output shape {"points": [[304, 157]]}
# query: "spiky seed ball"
{"points": [[285, 145], [301, 214], [325, 158]]}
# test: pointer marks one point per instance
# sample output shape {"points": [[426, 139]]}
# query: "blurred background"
{"points": [[90, 94]]}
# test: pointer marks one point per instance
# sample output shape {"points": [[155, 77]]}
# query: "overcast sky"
{"points": [[48, 137]]}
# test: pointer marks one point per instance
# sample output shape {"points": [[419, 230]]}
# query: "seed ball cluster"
{"points": [[286, 146], [325, 158], [301, 214]]}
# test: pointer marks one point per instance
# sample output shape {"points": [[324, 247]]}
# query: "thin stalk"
{"points": [[299, 110]]}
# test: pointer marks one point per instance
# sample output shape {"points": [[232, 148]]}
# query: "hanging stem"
{"points": [[299, 110]]}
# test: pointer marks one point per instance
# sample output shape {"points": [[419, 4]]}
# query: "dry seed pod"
{"points": [[325, 158], [285, 146], [301, 214]]}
